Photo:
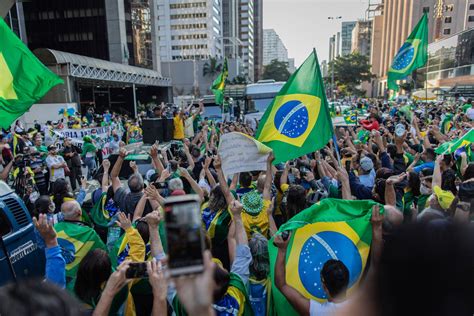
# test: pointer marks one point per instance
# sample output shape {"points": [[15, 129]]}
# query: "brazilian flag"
{"points": [[76, 240], [218, 85], [411, 56], [332, 229], [23, 78], [452, 146], [350, 119], [298, 121]]}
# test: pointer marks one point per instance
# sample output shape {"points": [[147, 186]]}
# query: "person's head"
{"points": [[135, 183], [296, 200], [414, 183], [38, 139], [143, 230], [94, 271], [44, 205], [71, 210], [428, 155], [335, 278], [175, 184], [441, 199], [52, 150], [252, 203], [67, 142], [221, 279], [469, 172], [217, 199], [446, 163], [366, 165], [260, 266], [37, 297], [261, 183], [245, 179]]}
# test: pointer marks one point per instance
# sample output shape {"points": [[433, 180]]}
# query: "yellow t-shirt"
{"points": [[178, 128], [257, 223]]}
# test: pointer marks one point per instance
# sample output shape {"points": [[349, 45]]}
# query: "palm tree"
{"points": [[211, 68]]}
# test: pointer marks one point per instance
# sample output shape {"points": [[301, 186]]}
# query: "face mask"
{"points": [[424, 190]]}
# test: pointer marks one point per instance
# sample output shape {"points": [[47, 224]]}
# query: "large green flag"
{"points": [[298, 121], [23, 78], [332, 229], [76, 240], [218, 85], [411, 56]]}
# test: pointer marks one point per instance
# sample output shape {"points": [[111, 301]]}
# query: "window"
{"points": [[471, 7], [5, 225], [448, 19], [447, 31], [449, 8], [426, 9], [471, 18]]}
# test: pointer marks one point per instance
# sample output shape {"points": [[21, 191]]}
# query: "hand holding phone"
{"points": [[137, 270]]}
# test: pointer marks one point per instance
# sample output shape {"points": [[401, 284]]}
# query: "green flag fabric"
{"points": [[298, 121], [218, 85], [23, 78], [76, 240], [411, 56], [331, 229], [452, 146], [447, 123]]}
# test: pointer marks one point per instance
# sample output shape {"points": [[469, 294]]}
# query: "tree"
{"points": [[211, 68], [349, 72], [276, 70], [240, 79]]}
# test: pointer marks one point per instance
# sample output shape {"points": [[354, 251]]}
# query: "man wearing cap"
{"points": [[56, 165], [440, 202], [366, 172], [256, 216]]}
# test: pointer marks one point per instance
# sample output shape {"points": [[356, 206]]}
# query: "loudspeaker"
{"points": [[168, 129], [152, 130]]}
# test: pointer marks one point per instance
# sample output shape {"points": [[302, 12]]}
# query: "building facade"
{"points": [[258, 39], [189, 30], [247, 36], [273, 47], [346, 37], [452, 16], [362, 38]]}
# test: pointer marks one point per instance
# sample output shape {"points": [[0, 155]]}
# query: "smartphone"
{"points": [[160, 185], [292, 164], [348, 166], [183, 230], [136, 270]]}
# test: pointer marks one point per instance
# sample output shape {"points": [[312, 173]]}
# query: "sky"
{"points": [[304, 24]]}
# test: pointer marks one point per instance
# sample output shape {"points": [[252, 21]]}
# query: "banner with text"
{"points": [[241, 153]]}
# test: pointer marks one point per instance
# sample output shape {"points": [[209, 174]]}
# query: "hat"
{"points": [[252, 203], [445, 198], [52, 147], [148, 174], [178, 192], [366, 164]]}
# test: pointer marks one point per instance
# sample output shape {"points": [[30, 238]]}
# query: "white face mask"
{"points": [[424, 190]]}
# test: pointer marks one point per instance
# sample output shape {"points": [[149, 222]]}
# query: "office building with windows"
{"points": [[273, 47], [190, 30], [346, 37]]}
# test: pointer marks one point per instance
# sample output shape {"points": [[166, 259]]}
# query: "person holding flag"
{"points": [[218, 87]]}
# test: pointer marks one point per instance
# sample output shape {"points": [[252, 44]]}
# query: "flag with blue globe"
{"points": [[412, 55]]}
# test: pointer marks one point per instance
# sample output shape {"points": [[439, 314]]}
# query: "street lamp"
{"points": [[332, 65]]}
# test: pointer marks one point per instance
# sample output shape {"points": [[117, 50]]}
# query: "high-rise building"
{"points": [[362, 38], [116, 30], [332, 48], [258, 38], [346, 37], [451, 17], [189, 30], [246, 35], [273, 47]]}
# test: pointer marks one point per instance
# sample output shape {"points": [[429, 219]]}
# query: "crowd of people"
{"points": [[421, 256]]}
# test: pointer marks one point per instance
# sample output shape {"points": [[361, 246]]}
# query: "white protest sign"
{"points": [[241, 153]]}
